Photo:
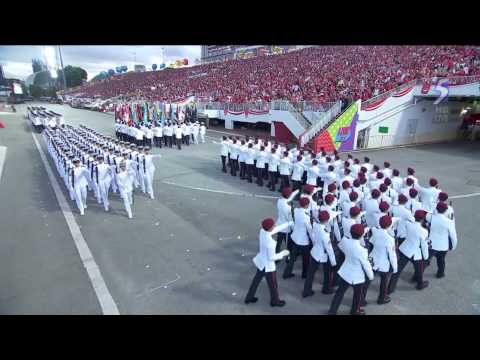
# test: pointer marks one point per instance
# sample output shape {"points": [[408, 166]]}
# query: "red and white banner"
{"points": [[403, 92], [247, 112], [375, 105]]}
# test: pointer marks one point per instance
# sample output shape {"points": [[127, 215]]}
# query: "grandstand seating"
{"points": [[316, 74]]}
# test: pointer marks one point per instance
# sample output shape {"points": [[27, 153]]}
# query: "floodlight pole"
{"points": [[63, 69]]}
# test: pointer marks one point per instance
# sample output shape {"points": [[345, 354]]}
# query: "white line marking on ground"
{"points": [[221, 191], [108, 305], [464, 196], [3, 156], [224, 132]]}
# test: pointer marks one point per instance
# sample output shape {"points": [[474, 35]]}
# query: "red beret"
{"points": [[328, 158], [286, 192], [335, 152], [363, 180], [363, 169], [309, 188], [387, 181], [323, 216], [383, 188], [383, 206], [361, 174], [385, 221], [375, 168], [409, 181], [443, 196], [345, 184], [354, 211], [386, 164], [331, 168], [314, 162], [356, 183], [304, 201], [346, 164], [412, 192], [420, 214], [433, 182], [299, 158], [332, 187], [356, 161], [285, 153], [367, 159], [329, 199], [353, 196], [375, 193], [379, 175], [396, 172], [410, 171], [442, 207], [323, 152], [267, 224], [402, 199], [357, 231], [347, 171]]}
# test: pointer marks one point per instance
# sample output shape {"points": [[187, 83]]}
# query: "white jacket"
{"points": [[285, 166], [441, 230], [285, 211], [356, 267], [415, 243], [404, 215], [266, 257], [371, 209], [312, 174], [322, 249], [302, 228], [383, 252], [429, 197], [298, 169]]}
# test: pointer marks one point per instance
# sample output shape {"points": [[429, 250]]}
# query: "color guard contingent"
{"points": [[87, 160], [155, 134], [356, 220]]}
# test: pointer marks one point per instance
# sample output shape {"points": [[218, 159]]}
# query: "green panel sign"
{"points": [[383, 129]]}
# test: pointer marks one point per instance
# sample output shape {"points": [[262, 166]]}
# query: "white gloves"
{"points": [[285, 253]]}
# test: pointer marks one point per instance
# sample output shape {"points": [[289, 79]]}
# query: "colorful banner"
{"points": [[339, 135]]}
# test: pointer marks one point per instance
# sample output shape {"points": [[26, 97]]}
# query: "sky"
{"points": [[17, 60]]}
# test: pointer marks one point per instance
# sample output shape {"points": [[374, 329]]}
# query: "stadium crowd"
{"points": [[316, 74]]}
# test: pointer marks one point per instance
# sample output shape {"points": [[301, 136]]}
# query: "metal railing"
{"points": [[386, 94], [324, 119]]}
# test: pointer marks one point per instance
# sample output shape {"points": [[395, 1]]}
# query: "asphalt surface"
{"points": [[190, 251]]}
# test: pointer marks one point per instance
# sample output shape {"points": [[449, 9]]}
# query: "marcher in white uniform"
{"points": [[125, 185], [203, 131], [321, 253], [148, 169], [80, 179], [285, 216], [265, 263], [103, 178], [355, 270]]}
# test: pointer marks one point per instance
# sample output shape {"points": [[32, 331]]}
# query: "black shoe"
{"points": [[252, 300], [309, 293], [423, 285], [288, 276], [413, 279], [280, 303], [328, 291], [386, 300], [359, 312], [440, 275]]}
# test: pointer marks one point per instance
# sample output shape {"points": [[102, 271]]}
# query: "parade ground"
{"points": [[190, 250]]}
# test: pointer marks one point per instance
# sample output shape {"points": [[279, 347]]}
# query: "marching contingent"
{"points": [[355, 219], [88, 160]]}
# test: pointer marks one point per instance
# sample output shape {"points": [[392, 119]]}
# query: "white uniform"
{"points": [[285, 212], [80, 178], [356, 264], [302, 227], [148, 173], [266, 257], [383, 252], [104, 180], [404, 215], [195, 131], [322, 250], [415, 244], [125, 185], [203, 131], [442, 231], [428, 197]]}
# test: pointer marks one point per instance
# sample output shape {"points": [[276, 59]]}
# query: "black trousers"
{"points": [[179, 144], [440, 255], [249, 172], [358, 296], [271, 282], [418, 265], [273, 180], [385, 278], [327, 276], [303, 250], [255, 168], [265, 173], [224, 160], [170, 141], [285, 181], [233, 167], [165, 139], [260, 172], [296, 185], [242, 170]]}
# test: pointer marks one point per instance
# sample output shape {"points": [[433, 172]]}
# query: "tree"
{"points": [[73, 74], [38, 65], [36, 91]]}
